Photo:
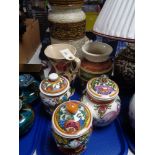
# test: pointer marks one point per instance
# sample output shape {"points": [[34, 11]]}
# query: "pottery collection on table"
{"points": [[72, 126], [53, 91]]}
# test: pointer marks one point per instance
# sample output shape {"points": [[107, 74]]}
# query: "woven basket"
{"points": [[66, 2], [68, 31]]}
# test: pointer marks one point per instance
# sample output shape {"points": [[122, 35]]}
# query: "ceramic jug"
{"points": [[63, 60], [72, 126]]}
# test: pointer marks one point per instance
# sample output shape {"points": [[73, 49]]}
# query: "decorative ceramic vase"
{"points": [[72, 127], [29, 88], [67, 23], [89, 70], [124, 67], [26, 119], [67, 3], [53, 91], [103, 100], [66, 63], [132, 112]]}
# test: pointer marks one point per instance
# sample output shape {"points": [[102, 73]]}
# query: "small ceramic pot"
{"points": [[124, 68], [29, 88], [63, 64], [96, 51], [26, 119], [132, 112], [103, 100], [53, 91], [72, 127]]}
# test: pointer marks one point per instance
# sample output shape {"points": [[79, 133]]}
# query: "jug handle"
{"points": [[78, 63]]}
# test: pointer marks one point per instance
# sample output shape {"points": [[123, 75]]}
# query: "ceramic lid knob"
{"points": [[53, 77], [72, 107]]}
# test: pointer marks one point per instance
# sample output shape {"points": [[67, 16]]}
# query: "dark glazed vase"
{"points": [[124, 68]]}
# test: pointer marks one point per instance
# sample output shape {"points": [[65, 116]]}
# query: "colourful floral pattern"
{"points": [[72, 144]]}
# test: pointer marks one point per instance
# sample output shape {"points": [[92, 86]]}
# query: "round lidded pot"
{"points": [[53, 91], [103, 100], [72, 126]]}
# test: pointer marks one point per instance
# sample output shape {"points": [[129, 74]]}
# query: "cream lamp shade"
{"points": [[117, 20]]}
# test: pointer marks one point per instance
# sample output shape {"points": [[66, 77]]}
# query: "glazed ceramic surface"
{"points": [[102, 89], [124, 67], [89, 70], [53, 91], [77, 43], [67, 24], [132, 112], [103, 114], [29, 88], [26, 118], [66, 66], [96, 51], [71, 124]]}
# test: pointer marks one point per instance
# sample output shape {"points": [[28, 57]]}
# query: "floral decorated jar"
{"points": [[103, 100], [28, 88], [72, 126], [53, 91], [26, 119]]}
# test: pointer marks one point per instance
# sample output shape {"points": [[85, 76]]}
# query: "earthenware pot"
{"points": [[72, 126], [67, 23], [103, 100], [63, 60], [89, 70], [96, 51], [132, 112], [124, 67], [29, 88], [26, 119], [53, 91]]}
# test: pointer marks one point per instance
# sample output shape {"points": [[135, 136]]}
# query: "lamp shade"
{"points": [[117, 20]]}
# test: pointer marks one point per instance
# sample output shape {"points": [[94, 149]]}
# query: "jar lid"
{"points": [[54, 85], [25, 80], [71, 119], [102, 88]]}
